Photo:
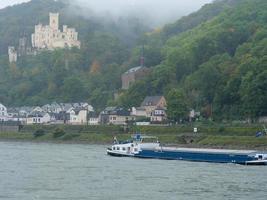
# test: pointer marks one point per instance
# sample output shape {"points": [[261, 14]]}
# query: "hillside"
{"points": [[64, 75], [217, 67], [213, 60]]}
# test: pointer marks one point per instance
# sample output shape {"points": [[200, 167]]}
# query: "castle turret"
{"points": [[22, 48], [12, 54], [53, 20]]}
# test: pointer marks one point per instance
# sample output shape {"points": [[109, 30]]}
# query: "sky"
{"points": [[161, 10], [4, 3]]}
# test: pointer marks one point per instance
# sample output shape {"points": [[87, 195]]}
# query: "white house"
{"points": [[116, 116], [39, 118], [15, 116], [78, 116], [117, 119], [158, 115], [93, 121], [139, 112], [3, 113]]}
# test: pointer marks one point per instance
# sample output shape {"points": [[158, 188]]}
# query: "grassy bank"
{"points": [[242, 137]]}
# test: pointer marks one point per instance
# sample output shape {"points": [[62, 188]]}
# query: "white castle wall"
{"points": [[50, 37]]}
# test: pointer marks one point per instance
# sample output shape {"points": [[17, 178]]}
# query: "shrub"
{"points": [[58, 132], [221, 129], [39, 133], [70, 136]]}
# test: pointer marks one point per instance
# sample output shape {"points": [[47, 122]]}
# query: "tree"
{"points": [[177, 108], [95, 67]]}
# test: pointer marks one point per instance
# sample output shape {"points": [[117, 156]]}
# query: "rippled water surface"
{"points": [[70, 171]]}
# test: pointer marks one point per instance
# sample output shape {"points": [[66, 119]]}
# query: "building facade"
{"points": [[132, 75], [51, 37], [3, 113], [152, 103]]}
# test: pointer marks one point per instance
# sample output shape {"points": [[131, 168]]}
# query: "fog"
{"points": [[5, 3], [158, 12]]}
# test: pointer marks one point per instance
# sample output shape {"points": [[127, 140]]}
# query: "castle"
{"points": [[50, 37], [45, 37]]}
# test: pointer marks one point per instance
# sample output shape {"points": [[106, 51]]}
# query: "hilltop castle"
{"points": [[45, 37], [50, 37]]}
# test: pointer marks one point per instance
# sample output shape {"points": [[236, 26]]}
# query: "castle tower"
{"points": [[22, 48], [53, 20], [12, 54]]}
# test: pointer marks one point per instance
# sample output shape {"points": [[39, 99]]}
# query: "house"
{"points": [[193, 115], [15, 116], [158, 115], [93, 118], [25, 110], [78, 116], [3, 113], [61, 118], [132, 75], [53, 108], [138, 112], [116, 116], [66, 107], [151, 103], [39, 118], [38, 109]]}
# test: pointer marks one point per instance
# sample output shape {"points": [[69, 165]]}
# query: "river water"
{"points": [[33, 171]]}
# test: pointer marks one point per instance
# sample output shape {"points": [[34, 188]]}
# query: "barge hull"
{"points": [[196, 156]]}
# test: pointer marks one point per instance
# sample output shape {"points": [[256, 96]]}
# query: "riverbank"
{"points": [[207, 136]]}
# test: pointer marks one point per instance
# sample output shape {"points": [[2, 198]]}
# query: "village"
{"points": [[151, 111]]}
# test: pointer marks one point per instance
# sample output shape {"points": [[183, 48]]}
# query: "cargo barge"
{"points": [[137, 147]]}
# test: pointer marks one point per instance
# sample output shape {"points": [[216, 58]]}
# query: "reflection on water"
{"points": [[66, 171]]}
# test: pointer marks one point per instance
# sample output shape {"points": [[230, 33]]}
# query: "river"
{"points": [[42, 171]]}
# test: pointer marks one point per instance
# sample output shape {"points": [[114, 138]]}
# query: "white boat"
{"points": [[134, 146]]}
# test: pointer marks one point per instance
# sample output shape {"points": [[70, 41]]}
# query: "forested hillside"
{"points": [[213, 61], [218, 67], [89, 74]]}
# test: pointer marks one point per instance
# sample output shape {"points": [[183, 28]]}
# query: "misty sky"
{"points": [[4, 3], [161, 10]]}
